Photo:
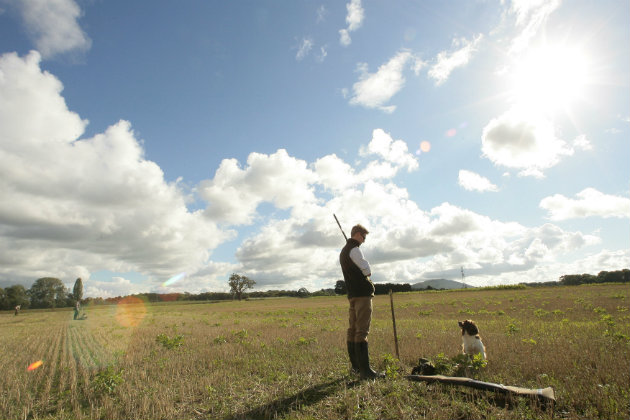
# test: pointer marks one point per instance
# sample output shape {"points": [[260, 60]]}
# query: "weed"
{"points": [[392, 366], [541, 313], [305, 341], [459, 365], [240, 335], [106, 380], [511, 329], [170, 343]]}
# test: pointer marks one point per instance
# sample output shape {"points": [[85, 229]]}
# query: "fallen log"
{"points": [[544, 395]]}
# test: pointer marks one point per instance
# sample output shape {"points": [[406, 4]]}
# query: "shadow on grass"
{"points": [[278, 408]]}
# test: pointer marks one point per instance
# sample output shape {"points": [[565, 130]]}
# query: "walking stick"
{"points": [[391, 301]]}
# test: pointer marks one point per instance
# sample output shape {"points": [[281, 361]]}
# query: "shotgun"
{"points": [[339, 224]]}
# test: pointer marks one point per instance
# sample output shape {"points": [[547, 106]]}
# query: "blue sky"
{"points": [[140, 141]]}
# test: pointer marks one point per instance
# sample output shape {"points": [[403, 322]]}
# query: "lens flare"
{"points": [[425, 146], [174, 279], [130, 311], [451, 132], [35, 365]]}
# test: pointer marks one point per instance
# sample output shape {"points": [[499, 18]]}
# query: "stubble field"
{"points": [[286, 358]]}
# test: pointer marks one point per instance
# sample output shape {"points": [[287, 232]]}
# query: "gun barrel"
{"points": [[339, 224]]}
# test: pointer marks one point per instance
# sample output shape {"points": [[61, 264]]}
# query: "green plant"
{"points": [[458, 365], [511, 329], [392, 366], [305, 341], [170, 343], [106, 380]]}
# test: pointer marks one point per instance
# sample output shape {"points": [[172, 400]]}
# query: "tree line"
{"points": [[379, 288], [47, 292], [619, 276], [50, 292]]}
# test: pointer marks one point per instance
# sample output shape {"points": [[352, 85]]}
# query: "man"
{"points": [[77, 308], [356, 273]]}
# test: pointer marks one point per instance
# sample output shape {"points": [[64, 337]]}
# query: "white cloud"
{"points": [[354, 19], [321, 56], [72, 205], [588, 203], [522, 141], [404, 242], [54, 27], [530, 15], [472, 181], [447, 61], [118, 286], [234, 193], [321, 13], [344, 37], [304, 49], [374, 90], [582, 142], [393, 151]]}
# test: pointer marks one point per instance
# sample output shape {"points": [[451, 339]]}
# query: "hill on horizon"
{"points": [[440, 284]]}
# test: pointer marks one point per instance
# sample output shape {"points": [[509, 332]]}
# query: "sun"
{"points": [[550, 78]]}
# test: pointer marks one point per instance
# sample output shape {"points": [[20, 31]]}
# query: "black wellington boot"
{"points": [[353, 358], [364, 362]]}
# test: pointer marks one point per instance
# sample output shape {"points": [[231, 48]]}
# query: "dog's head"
{"points": [[468, 327]]}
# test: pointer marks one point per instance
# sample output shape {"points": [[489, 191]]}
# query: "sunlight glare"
{"points": [[550, 78], [130, 311]]}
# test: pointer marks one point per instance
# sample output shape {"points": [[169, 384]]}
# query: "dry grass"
{"points": [[285, 358]]}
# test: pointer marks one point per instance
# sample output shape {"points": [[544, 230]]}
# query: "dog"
{"points": [[471, 342]]}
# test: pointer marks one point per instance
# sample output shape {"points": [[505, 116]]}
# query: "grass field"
{"points": [[286, 358]]}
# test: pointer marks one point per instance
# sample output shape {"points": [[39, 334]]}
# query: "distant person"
{"points": [[17, 309], [77, 308], [356, 273]]}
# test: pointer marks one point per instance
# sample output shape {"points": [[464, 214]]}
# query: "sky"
{"points": [[162, 146]]}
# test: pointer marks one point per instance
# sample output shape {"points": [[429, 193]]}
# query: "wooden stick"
{"points": [[544, 394], [391, 301]]}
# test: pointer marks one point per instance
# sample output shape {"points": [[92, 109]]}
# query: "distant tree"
{"points": [[384, 288], [17, 295], [77, 291], [47, 292], [238, 285], [340, 288], [302, 292], [619, 276], [4, 301]]}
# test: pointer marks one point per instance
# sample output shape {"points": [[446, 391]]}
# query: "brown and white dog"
{"points": [[471, 342]]}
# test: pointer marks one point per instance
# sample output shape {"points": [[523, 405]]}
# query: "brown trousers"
{"points": [[360, 316]]}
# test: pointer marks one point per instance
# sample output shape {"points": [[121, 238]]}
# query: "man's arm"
{"points": [[357, 257]]}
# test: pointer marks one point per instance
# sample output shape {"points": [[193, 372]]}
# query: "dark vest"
{"points": [[357, 284]]}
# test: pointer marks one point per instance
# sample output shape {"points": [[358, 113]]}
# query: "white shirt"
{"points": [[357, 257]]}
